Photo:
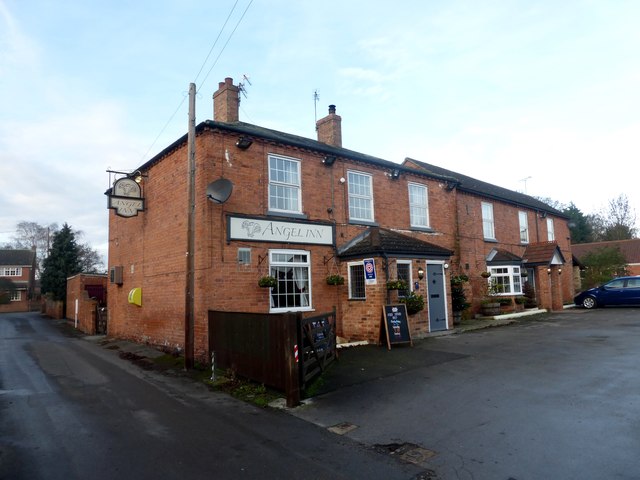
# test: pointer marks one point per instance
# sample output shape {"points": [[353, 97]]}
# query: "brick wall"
{"points": [[77, 291]]}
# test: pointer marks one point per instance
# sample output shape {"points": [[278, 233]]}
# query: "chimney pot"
{"points": [[332, 109]]}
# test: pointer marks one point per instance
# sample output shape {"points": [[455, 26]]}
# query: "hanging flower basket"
{"points": [[414, 303], [267, 282], [524, 274], [485, 274], [335, 280], [397, 285]]}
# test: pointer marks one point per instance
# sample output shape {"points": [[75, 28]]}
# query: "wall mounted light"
{"points": [[243, 143], [446, 266], [329, 160], [549, 271], [559, 271], [420, 273], [395, 174]]}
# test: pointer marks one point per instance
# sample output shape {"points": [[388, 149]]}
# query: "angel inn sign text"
{"points": [[262, 230]]}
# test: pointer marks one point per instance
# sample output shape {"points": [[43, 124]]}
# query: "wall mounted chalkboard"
{"points": [[396, 324]]}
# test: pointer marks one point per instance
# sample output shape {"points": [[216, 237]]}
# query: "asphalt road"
{"points": [[70, 409], [557, 397]]}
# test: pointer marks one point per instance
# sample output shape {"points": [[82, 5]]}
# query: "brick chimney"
{"points": [[226, 102], [330, 128]]}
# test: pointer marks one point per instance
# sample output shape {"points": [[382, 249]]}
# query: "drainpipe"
{"points": [[386, 275]]}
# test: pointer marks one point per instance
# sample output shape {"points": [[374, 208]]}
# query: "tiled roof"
{"points": [[542, 253], [255, 131], [478, 187], [376, 241], [503, 256], [629, 248], [17, 258]]}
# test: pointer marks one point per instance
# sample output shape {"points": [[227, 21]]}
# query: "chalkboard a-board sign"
{"points": [[396, 324]]}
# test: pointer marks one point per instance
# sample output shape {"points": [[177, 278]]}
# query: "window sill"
{"points": [[357, 299], [491, 240], [301, 216], [364, 222], [423, 229]]}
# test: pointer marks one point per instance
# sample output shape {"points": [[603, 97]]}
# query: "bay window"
{"points": [[505, 280]]}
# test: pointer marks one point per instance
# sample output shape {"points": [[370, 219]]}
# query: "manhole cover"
{"points": [[409, 452], [342, 428]]}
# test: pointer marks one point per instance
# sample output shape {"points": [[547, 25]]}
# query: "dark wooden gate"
{"points": [[101, 320], [284, 351], [317, 339]]}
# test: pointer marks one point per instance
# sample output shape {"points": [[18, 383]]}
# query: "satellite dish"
{"points": [[220, 190]]}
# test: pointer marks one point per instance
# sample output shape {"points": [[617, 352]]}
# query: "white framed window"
{"points": [[284, 184], [15, 296], [360, 196], [357, 290], [11, 271], [292, 270], [488, 229], [418, 205], [505, 280], [524, 227], [551, 231], [244, 256], [403, 272]]}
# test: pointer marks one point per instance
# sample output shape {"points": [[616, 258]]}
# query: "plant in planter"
{"points": [[490, 306], [414, 303], [267, 282], [485, 274], [458, 297], [520, 301], [529, 296], [335, 280], [397, 285]]}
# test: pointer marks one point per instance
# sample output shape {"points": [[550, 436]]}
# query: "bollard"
{"points": [[213, 366]]}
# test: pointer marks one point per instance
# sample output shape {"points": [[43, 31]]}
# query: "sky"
{"points": [[539, 97]]}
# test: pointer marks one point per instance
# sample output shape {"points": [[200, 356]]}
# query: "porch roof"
{"points": [[376, 241], [543, 253]]}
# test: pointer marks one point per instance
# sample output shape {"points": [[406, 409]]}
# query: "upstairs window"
{"points": [[524, 227], [360, 197], [488, 229], [284, 185], [15, 296], [418, 205], [551, 232], [11, 271]]}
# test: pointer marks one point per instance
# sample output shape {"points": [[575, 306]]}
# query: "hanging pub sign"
{"points": [[126, 197]]}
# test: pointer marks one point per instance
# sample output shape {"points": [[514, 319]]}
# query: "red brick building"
{"points": [[19, 267], [299, 211], [85, 294]]}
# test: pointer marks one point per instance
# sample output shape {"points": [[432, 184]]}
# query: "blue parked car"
{"points": [[619, 291]]}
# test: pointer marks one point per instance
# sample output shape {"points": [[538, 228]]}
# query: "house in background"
{"points": [[630, 250], [272, 204], [18, 266]]}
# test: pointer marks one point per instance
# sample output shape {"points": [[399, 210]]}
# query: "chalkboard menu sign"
{"points": [[396, 324]]}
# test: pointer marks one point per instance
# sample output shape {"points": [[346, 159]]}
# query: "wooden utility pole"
{"points": [[191, 212]]}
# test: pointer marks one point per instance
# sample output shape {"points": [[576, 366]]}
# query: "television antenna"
{"points": [[242, 85], [525, 182], [316, 99]]}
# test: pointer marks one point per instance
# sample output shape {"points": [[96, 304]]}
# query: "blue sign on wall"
{"points": [[369, 271]]}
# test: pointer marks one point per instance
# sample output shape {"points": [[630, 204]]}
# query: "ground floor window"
{"points": [[356, 281], [403, 269], [15, 296], [292, 270], [505, 280]]}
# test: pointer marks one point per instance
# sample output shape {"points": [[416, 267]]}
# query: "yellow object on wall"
{"points": [[135, 296]]}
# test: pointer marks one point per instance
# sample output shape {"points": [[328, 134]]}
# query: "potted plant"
{"points": [[520, 301], [397, 285], [267, 282], [335, 280], [458, 297], [414, 303], [506, 304], [490, 306]]}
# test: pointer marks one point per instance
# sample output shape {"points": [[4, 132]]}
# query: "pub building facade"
{"points": [[296, 216]]}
